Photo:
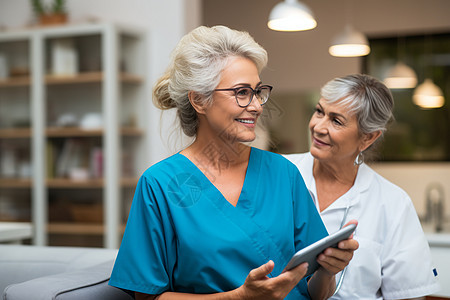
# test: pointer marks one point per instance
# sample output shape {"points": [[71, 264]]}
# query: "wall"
{"points": [[167, 21], [299, 63], [415, 178]]}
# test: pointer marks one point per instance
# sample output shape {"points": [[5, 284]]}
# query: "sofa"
{"points": [[62, 273]]}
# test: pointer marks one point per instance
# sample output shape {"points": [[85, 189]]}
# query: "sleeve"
{"points": [[309, 227], [147, 254], [407, 269]]}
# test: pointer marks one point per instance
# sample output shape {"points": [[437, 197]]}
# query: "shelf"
{"points": [[15, 183], [13, 232], [15, 81], [78, 228], [64, 183], [89, 77], [71, 228], [80, 132], [72, 132], [112, 83], [15, 133], [129, 182]]}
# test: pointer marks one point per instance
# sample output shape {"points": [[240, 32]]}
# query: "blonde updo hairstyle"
{"points": [[196, 65]]}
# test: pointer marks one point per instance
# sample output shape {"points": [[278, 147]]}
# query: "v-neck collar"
{"points": [[249, 180]]}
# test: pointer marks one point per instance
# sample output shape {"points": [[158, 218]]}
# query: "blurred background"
{"points": [[78, 127]]}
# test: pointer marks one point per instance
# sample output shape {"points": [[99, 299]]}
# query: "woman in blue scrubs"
{"points": [[220, 219]]}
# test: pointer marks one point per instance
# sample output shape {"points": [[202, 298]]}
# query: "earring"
{"points": [[359, 159]]}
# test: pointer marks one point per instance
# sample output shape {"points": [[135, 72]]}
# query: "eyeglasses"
{"points": [[244, 95]]}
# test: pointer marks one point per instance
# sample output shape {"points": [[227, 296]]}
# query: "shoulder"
{"points": [[164, 169], [274, 160], [303, 161], [383, 186], [388, 203], [297, 158]]}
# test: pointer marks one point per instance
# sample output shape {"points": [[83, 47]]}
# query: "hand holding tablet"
{"points": [[309, 254]]}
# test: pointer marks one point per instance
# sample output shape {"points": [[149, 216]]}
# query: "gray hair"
{"points": [[196, 65], [366, 97]]}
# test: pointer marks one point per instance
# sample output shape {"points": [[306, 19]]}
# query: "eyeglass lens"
{"points": [[244, 95]]}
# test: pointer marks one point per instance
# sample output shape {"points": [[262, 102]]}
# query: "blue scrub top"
{"points": [[182, 235]]}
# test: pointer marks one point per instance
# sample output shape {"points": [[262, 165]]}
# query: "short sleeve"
{"points": [[309, 227], [404, 253], [147, 254]]}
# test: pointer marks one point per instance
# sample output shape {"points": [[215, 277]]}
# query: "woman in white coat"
{"points": [[393, 260]]}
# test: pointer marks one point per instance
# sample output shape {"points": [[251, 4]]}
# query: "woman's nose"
{"points": [[255, 104], [320, 126]]}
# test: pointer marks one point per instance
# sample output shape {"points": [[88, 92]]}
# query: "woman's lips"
{"points": [[247, 122], [319, 142]]}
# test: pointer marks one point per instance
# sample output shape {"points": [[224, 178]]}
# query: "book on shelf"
{"points": [[50, 154], [96, 162], [74, 158]]}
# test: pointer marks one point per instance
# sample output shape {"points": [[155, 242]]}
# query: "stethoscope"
{"points": [[339, 284], [344, 219]]}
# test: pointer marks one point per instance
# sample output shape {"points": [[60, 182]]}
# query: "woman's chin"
{"points": [[317, 154], [246, 138]]}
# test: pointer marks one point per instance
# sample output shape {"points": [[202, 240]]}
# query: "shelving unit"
{"points": [[15, 131], [83, 174]]}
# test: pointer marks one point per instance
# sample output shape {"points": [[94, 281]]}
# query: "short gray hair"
{"points": [[365, 96], [196, 65]]}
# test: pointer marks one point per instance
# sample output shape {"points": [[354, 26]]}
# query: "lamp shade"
{"points": [[291, 15], [400, 76], [349, 43], [428, 95]]}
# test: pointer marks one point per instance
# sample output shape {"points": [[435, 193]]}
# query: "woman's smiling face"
{"points": [[224, 117], [334, 133]]}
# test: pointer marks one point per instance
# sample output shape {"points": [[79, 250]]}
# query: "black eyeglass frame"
{"points": [[254, 93]]}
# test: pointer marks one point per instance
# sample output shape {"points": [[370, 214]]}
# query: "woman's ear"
{"points": [[368, 139], [196, 102]]}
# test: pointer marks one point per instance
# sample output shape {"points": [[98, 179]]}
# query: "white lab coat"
{"points": [[393, 260]]}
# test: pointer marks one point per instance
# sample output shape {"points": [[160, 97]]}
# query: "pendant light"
{"points": [[400, 76], [291, 15], [349, 43], [428, 95]]}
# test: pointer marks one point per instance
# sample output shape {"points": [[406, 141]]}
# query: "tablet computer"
{"points": [[309, 254]]}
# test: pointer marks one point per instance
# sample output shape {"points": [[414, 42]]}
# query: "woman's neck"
{"points": [[216, 153], [332, 181], [338, 172]]}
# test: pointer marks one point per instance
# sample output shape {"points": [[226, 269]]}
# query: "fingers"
{"points": [[288, 279], [262, 271], [259, 286], [349, 245], [334, 260], [353, 221], [300, 271]]}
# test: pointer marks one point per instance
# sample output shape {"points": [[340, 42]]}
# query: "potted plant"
{"points": [[54, 13]]}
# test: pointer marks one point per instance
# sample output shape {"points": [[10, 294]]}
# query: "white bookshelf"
{"points": [[111, 83]]}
